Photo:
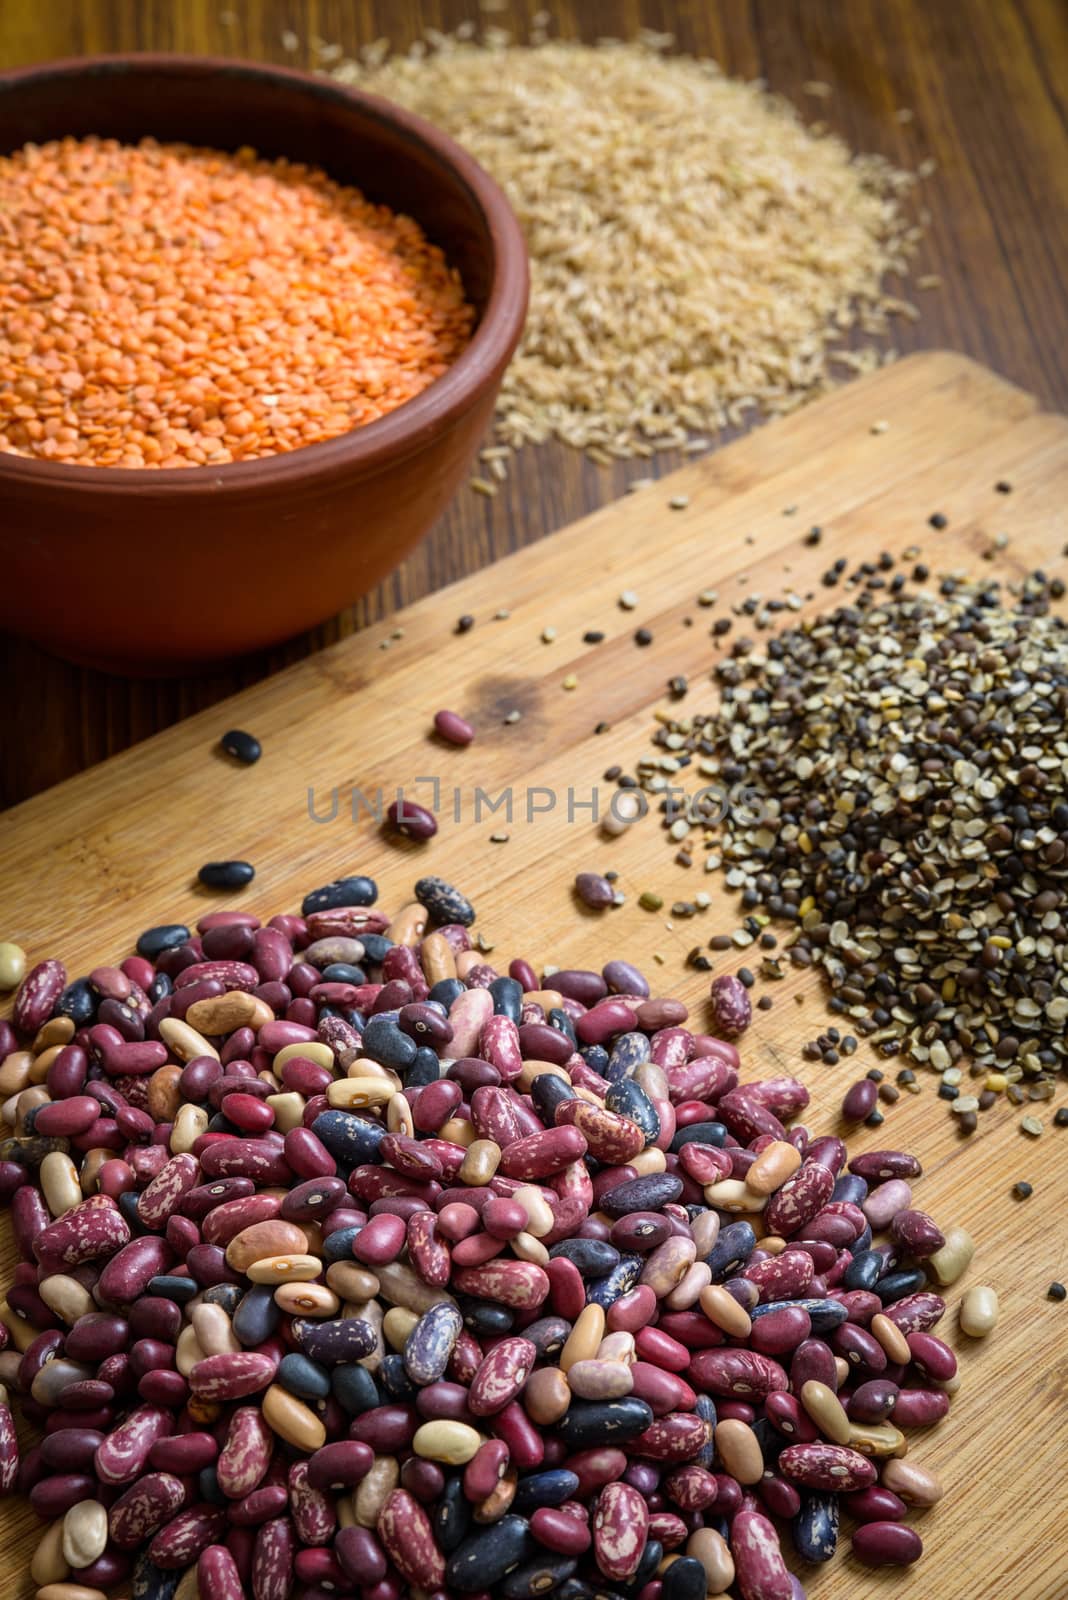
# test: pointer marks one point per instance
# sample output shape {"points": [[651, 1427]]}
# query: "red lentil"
{"points": [[166, 306]]}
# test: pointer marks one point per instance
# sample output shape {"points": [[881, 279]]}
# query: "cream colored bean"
{"points": [[409, 925], [349, 1094], [89, 1175], [687, 1291], [452, 1443], [321, 1054], [291, 1420], [187, 1351], [373, 1314], [653, 1079], [352, 1282], [528, 1248], [374, 1489], [73, 1591], [399, 1116], [458, 1131], [953, 1259], [85, 1533], [712, 1551], [346, 1515], [15, 1074], [877, 1439], [397, 1324], [288, 1110], [546, 1396], [188, 1125], [56, 1031], [480, 1163], [548, 999], [915, 1485], [947, 1385], [22, 1333], [979, 1311], [183, 1041], [48, 1564], [59, 1182], [731, 1194], [50, 1382], [224, 1012], [12, 965], [401, 1285], [436, 958], [775, 1163], [649, 1161], [600, 1380], [284, 1269], [843, 1369], [583, 1341], [29, 1100], [826, 1411], [214, 1330], [306, 1300], [891, 1338], [739, 1450], [617, 1347], [540, 1219], [705, 1231], [722, 1308], [667, 1265]]}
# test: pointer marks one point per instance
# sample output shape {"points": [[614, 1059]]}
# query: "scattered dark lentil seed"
{"points": [[1057, 1291], [967, 1122], [765, 1002], [602, 727], [938, 520], [465, 623], [1023, 1190], [1060, 1117], [814, 535], [593, 636], [677, 687], [1002, 487], [244, 747], [643, 637], [746, 977]]}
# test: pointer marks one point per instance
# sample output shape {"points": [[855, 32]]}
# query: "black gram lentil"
{"points": [[244, 747]]}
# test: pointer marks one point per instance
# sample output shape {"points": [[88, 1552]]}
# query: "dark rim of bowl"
{"points": [[399, 432]]}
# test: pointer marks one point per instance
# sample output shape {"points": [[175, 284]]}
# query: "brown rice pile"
{"points": [[696, 252]]}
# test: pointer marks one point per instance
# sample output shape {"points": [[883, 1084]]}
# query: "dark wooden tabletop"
{"points": [[985, 81]]}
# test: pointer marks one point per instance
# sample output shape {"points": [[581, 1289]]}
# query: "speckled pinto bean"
{"points": [[408, 1539], [760, 1571], [620, 1527], [143, 1509], [827, 1466]]}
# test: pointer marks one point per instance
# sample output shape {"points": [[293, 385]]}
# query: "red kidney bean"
{"points": [[886, 1544], [931, 1357]]}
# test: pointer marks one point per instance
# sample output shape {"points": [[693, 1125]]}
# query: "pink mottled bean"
{"points": [[759, 1567], [620, 1529]]}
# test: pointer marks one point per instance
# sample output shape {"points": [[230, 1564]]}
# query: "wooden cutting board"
{"points": [[86, 866]]}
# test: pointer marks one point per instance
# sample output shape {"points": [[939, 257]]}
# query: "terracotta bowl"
{"points": [[142, 571]]}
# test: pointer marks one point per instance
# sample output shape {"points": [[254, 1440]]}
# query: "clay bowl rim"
{"points": [[377, 444]]}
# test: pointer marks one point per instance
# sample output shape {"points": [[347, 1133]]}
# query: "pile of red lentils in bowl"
{"points": [[354, 1265], [167, 306]]}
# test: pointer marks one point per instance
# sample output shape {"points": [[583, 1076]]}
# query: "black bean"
{"points": [[538, 1577], [606, 1290], [167, 936], [385, 1043], [79, 1002], [549, 1488], [699, 1133], [483, 1558], [815, 1528], [593, 1257], [649, 1193], [444, 903], [244, 747], [226, 874], [357, 891], [354, 1389], [507, 998], [350, 1139], [257, 1316], [452, 1516], [586, 1424], [731, 1251]]}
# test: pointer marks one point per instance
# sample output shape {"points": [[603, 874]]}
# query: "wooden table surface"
{"points": [[986, 81]]}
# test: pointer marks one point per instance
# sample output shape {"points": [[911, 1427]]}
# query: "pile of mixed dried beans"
{"points": [[351, 1264]]}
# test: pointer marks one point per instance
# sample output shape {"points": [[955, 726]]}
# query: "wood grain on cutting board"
{"points": [[84, 867]]}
